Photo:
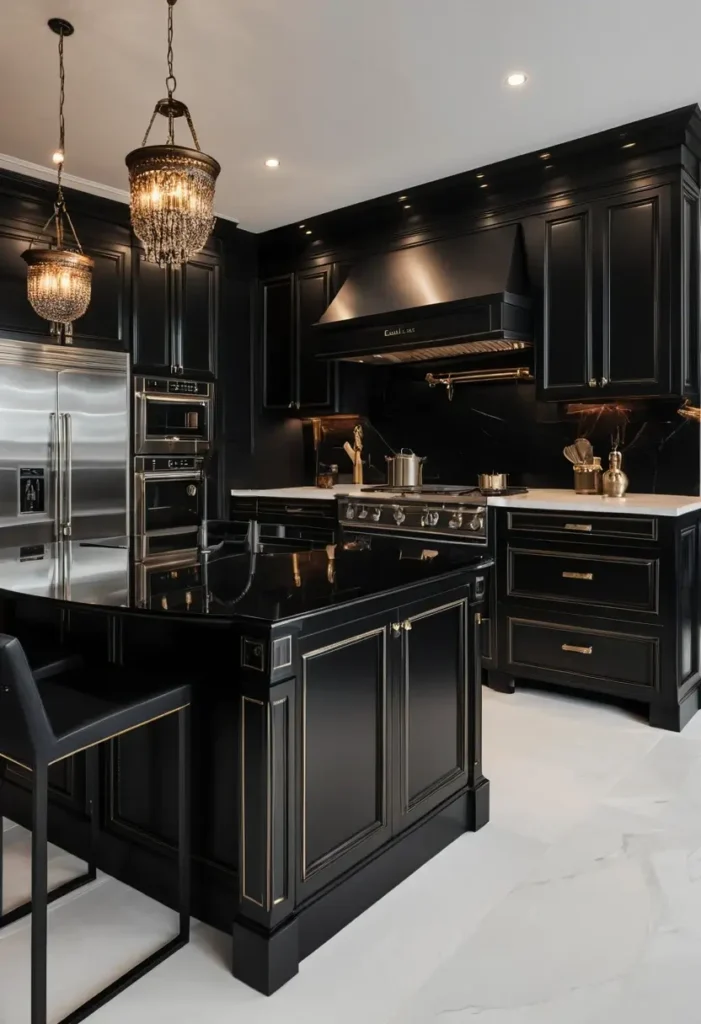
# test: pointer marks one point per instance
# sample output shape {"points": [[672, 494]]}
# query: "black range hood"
{"points": [[438, 300]]}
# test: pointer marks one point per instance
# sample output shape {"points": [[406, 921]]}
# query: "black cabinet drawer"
{"points": [[571, 650], [592, 580], [581, 526], [284, 510]]}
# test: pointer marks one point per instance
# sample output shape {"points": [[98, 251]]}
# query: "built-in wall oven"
{"points": [[172, 416], [169, 505]]}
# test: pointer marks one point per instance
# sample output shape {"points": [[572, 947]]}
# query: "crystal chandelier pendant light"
{"points": [[59, 278], [172, 187]]}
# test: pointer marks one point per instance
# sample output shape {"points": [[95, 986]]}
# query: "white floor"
{"points": [[580, 903]]}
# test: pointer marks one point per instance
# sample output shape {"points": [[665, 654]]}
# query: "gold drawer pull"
{"points": [[576, 650], [578, 575], [584, 527]]}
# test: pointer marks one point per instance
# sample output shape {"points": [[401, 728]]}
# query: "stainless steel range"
{"points": [[444, 514]]}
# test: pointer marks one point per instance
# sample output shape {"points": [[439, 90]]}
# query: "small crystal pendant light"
{"points": [[59, 278]]}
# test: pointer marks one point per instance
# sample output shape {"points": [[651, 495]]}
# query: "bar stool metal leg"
{"points": [[3, 769], [40, 796], [93, 782], [184, 824]]}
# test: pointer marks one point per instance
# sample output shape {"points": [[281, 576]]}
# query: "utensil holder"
{"points": [[587, 477]]}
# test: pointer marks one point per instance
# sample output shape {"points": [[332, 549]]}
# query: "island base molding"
{"points": [[267, 960]]}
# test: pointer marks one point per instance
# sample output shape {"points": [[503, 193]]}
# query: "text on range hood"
{"points": [[438, 300]]}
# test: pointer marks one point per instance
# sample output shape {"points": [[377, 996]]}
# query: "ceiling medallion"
{"points": [[172, 187], [59, 278]]}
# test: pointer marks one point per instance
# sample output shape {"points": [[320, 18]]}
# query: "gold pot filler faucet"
{"points": [[355, 454]]}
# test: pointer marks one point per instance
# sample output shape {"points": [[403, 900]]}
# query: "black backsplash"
{"points": [[502, 427]]}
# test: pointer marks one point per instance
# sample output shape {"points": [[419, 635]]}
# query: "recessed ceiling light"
{"points": [[627, 145], [407, 206], [516, 78], [302, 225], [549, 167], [307, 232], [545, 156], [272, 161], [480, 175], [402, 199], [485, 185]]}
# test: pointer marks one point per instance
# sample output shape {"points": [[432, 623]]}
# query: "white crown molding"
{"points": [[13, 163], [119, 195]]}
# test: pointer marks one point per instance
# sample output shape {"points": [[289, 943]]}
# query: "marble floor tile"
{"points": [[580, 902]]}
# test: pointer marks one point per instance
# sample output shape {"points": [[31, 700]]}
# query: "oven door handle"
{"points": [[150, 474]]}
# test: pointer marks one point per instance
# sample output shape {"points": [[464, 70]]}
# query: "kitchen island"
{"points": [[337, 726]]}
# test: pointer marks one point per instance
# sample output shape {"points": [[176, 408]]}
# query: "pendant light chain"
{"points": [[171, 80], [60, 204]]}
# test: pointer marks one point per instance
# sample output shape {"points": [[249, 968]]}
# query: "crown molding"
{"points": [[13, 163], [118, 195]]}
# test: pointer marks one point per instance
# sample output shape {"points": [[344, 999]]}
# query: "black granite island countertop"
{"points": [[270, 586], [336, 725]]}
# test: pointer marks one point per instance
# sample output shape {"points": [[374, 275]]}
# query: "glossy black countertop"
{"points": [[273, 585]]}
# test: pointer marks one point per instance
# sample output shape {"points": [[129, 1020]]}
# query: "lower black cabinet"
{"points": [[383, 730]]}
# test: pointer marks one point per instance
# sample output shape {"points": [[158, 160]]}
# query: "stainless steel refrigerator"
{"points": [[64, 443]]}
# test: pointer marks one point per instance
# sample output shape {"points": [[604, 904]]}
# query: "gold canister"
{"points": [[587, 477]]}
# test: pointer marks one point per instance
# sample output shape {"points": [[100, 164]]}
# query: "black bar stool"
{"points": [[49, 715]]}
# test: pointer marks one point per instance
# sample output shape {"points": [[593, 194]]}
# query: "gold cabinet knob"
{"points": [[406, 625], [396, 627], [593, 382], [603, 382]]}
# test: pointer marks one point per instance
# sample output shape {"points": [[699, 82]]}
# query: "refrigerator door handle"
{"points": [[55, 442], [68, 485]]}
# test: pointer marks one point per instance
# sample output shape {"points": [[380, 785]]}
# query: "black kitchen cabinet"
{"points": [[345, 748], [176, 314], [197, 306], [17, 318], [608, 297], [602, 603], [292, 379], [106, 322], [431, 717], [403, 750]]}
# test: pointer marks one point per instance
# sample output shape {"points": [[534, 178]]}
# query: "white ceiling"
{"points": [[356, 97]]}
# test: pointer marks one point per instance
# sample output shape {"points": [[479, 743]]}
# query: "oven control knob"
{"points": [[432, 518], [477, 523], [399, 515], [191, 490], [362, 512], [350, 512], [376, 514], [455, 521]]}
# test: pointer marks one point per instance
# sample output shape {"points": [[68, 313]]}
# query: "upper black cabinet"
{"points": [[176, 316], [291, 378], [613, 287], [106, 322]]}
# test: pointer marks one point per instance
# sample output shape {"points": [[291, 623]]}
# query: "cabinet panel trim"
{"points": [[408, 802], [338, 851]]}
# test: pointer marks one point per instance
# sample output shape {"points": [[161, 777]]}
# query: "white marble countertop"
{"points": [[299, 493], [543, 498], [563, 500]]}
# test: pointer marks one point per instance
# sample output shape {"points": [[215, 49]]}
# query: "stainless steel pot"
{"points": [[405, 469], [493, 481]]}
